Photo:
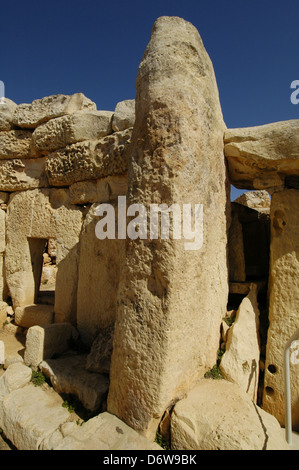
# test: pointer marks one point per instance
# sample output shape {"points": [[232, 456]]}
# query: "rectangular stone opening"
{"points": [[43, 261]]}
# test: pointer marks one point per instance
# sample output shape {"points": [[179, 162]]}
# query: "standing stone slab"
{"points": [[171, 300], [283, 303]]}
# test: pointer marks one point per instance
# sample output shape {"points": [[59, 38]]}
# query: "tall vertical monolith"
{"points": [[172, 293]]}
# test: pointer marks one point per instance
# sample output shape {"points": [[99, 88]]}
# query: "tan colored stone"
{"points": [[218, 415], [22, 174], [33, 218], [7, 109], [43, 342], [65, 130], [257, 200], [105, 432], [16, 376], [124, 115], [236, 252], [97, 281], [31, 415], [4, 197], [99, 357], [90, 159], [69, 376], [42, 110], [31, 315], [16, 144], [261, 157], [283, 304], [102, 190], [171, 300], [240, 362]]}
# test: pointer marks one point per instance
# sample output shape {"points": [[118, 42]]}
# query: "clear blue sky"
{"points": [[95, 47]]}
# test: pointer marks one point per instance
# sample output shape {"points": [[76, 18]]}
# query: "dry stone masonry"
{"points": [[134, 329]]}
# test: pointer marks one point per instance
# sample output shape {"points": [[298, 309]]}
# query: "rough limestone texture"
{"points": [[97, 281], [19, 174], [259, 200], [33, 218], [262, 157], [90, 159], [43, 342], [7, 109], [36, 314], [69, 376], [218, 415], [30, 115], [31, 414], [101, 190], [283, 303], [105, 432], [99, 357], [240, 362], [16, 144], [171, 299], [124, 115], [66, 130]]}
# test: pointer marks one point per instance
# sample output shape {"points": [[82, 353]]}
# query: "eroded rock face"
{"points": [[262, 157], [30, 115], [171, 300], [283, 303], [90, 159], [218, 415], [7, 109]]}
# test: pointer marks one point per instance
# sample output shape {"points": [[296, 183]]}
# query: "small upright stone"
{"points": [[124, 115], [7, 109]]}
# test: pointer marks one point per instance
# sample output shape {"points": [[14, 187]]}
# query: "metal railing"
{"points": [[288, 404]]}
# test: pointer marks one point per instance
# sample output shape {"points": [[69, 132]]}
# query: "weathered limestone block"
{"points": [[90, 159], [33, 218], [124, 115], [261, 157], [32, 414], [69, 376], [30, 115], [102, 190], [171, 299], [236, 253], [97, 281], [22, 174], [7, 109], [105, 432], [283, 303], [4, 197], [17, 144], [31, 315], [43, 342], [218, 415], [2, 348], [258, 200], [82, 125], [99, 358], [240, 362], [16, 376]]}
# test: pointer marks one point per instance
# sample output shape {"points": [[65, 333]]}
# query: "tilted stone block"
{"points": [[30, 115], [262, 157]]}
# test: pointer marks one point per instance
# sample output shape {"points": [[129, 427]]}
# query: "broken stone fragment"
{"points": [[7, 109], [92, 159], [240, 362], [31, 115], [262, 157], [259, 200], [76, 127], [124, 115], [218, 415]]}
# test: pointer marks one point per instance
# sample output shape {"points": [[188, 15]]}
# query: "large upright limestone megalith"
{"points": [[171, 300]]}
